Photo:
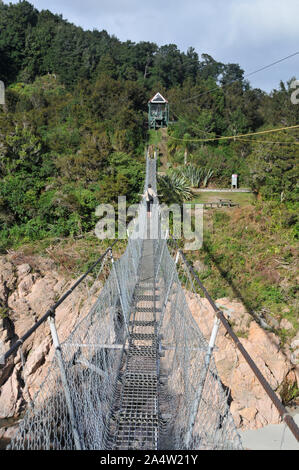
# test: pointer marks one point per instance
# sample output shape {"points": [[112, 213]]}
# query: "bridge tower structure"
{"points": [[158, 112]]}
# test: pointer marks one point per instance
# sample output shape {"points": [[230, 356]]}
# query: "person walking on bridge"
{"points": [[149, 197]]}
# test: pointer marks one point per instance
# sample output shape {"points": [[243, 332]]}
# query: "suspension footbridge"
{"points": [[136, 373]]}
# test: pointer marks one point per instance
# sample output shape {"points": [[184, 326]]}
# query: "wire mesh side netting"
{"points": [[192, 407], [91, 357], [183, 372]]}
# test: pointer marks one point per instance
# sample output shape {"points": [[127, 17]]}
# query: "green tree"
{"points": [[21, 151], [274, 168]]}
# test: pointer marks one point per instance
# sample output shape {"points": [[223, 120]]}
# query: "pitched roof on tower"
{"points": [[158, 98]]}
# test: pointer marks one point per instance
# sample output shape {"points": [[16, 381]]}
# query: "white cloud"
{"points": [[263, 20], [252, 33]]}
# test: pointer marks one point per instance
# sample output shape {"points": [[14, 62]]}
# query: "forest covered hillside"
{"points": [[74, 126]]}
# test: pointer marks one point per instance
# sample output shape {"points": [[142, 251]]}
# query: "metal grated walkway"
{"points": [[134, 422], [112, 385]]}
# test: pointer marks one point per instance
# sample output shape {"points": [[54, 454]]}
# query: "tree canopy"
{"points": [[73, 129]]}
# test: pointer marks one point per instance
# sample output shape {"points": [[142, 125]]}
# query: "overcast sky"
{"points": [[252, 33]]}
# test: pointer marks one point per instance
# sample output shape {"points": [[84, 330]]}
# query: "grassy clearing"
{"points": [[238, 198]]}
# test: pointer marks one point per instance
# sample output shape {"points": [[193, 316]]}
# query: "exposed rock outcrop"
{"points": [[26, 292], [251, 407]]}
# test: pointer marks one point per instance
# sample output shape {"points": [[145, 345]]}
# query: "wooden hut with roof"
{"points": [[158, 112]]}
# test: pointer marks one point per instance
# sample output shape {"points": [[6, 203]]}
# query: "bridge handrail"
{"points": [[285, 416], [52, 309]]}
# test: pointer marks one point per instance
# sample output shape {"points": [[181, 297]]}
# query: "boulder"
{"points": [[42, 296], [25, 286], [23, 270], [37, 357], [248, 414]]}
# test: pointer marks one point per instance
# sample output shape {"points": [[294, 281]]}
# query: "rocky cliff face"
{"points": [[29, 286], [251, 407]]}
